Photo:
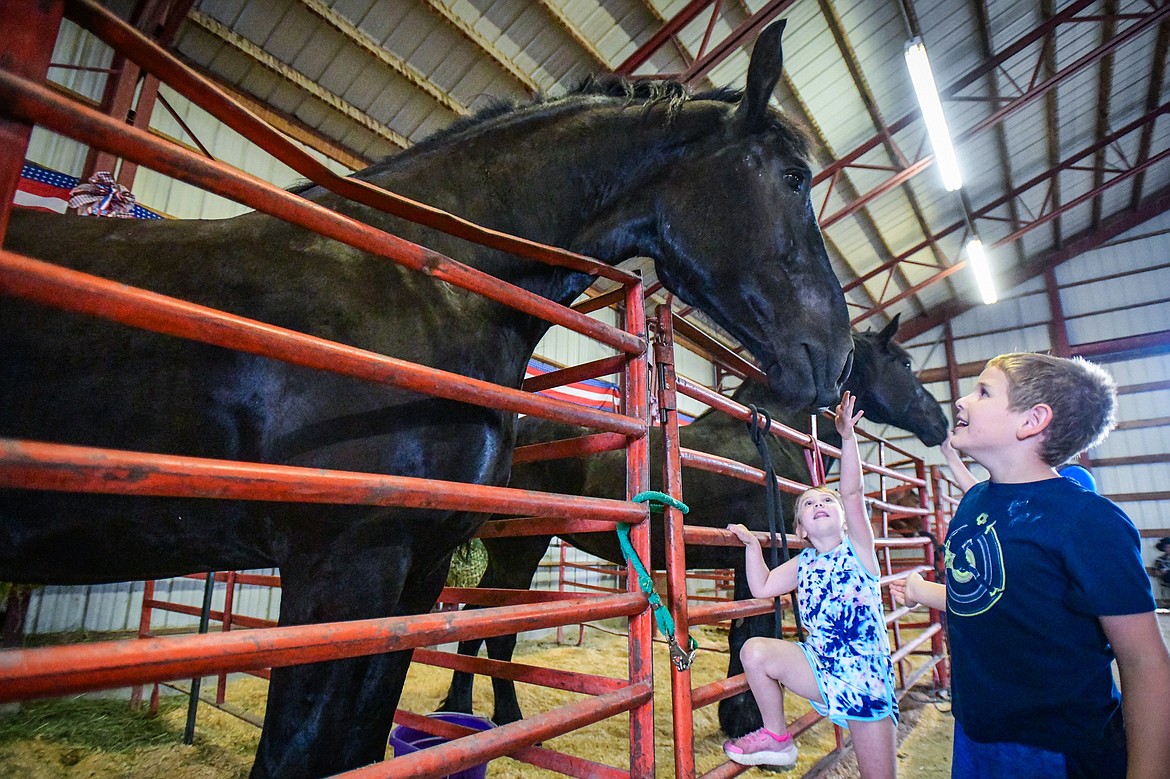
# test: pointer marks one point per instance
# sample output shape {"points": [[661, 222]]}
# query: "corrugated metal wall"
{"points": [[1117, 291], [154, 191], [118, 607]]}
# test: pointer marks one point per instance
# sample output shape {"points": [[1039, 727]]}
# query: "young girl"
{"points": [[843, 668]]}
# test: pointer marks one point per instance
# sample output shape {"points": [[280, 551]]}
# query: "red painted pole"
{"points": [[569, 447], [641, 655], [541, 757], [571, 681], [443, 759], [35, 466], [676, 561], [62, 670], [28, 30], [72, 290]]}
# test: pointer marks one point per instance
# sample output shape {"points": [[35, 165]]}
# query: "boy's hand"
{"points": [[902, 589], [948, 448], [743, 534], [844, 418]]}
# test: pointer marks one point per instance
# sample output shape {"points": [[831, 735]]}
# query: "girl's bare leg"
{"points": [[875, 744], [771, 665]]}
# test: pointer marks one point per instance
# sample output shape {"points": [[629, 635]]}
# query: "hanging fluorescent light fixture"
{"points": [[982, 270], [932, 113]]}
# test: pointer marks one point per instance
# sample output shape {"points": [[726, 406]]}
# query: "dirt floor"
{"points": [[100, 737]]}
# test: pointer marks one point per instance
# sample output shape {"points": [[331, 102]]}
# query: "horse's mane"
{"points": [[648, 92]]}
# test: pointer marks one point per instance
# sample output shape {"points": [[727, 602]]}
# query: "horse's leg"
{"points": [[325, 718], [739, 715], [459, 693], [518, 563], [512, 564]]}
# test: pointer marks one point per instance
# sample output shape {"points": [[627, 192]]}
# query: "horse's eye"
{"points": [[795, 181], [907, 365]]}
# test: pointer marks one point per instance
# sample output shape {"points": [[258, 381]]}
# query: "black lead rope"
{"points": [[759, 433]]}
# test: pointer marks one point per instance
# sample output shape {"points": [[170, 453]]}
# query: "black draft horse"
{"points": [[714, 187], [886, 390]]}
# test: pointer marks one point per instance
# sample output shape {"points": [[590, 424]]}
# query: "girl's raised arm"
{"points": [[852, 486]]}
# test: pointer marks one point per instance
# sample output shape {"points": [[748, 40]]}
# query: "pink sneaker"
{"points": [[761, 748]]}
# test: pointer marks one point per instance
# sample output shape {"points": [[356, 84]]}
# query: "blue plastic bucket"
{"points": [[405, 740]]}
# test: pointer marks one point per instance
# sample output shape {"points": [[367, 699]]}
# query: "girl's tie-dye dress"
{"points": [[847, 645]]}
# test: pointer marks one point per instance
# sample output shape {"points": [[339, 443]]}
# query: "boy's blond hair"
{"points": [[1082, 396]]}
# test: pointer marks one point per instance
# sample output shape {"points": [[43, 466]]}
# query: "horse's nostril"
{"points": [[848, 368]]}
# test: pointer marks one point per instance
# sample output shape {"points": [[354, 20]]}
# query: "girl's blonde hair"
{"points": [[797, 525]]}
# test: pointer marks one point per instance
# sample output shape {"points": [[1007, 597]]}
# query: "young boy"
{"points": [[1045, 587]]}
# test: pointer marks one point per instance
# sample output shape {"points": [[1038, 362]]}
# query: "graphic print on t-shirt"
{"points": [[975, 575]]}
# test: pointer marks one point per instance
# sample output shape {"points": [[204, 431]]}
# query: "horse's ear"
{"points": [[763, 74], [889, 331]]}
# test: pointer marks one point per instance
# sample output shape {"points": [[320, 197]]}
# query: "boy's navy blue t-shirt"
{"points": [[1030, 568]]}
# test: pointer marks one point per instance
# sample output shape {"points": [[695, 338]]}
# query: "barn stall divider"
{"points": [[901, 477], [35, 465]]}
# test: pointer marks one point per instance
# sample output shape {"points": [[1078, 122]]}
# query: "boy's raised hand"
{"points": [[900, 589], [947, 447], [743, 534], [844, 418]]}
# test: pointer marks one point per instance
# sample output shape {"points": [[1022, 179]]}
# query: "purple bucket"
{"points": [[405, 740]]}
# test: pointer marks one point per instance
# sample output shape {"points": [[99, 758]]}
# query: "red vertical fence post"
{"points": [[29, 31], [229, 600], [676, 562], [641, 655], [143, 632]]}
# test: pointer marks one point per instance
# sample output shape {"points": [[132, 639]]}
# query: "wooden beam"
{"points": [[1138, 497], [469, 32], [1142, 424]]}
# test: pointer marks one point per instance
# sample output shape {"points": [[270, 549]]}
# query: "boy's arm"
{"points": [[764, 582], [914, 590], [1144, 666], [852, 485], [959, 470]]}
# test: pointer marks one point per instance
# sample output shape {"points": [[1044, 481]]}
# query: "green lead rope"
{"points": [[682, 659]]}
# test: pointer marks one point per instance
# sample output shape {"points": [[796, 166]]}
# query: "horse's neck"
{"points": [[758, 395], [548, 175]]}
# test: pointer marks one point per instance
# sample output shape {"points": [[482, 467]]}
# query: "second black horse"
{"points": [[886, 389]]}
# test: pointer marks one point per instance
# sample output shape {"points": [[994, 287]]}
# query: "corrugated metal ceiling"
{"points": [[372, 75]]}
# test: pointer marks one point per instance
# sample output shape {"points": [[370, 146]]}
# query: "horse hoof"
{"points": [[739, 716], [506, 718]]}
